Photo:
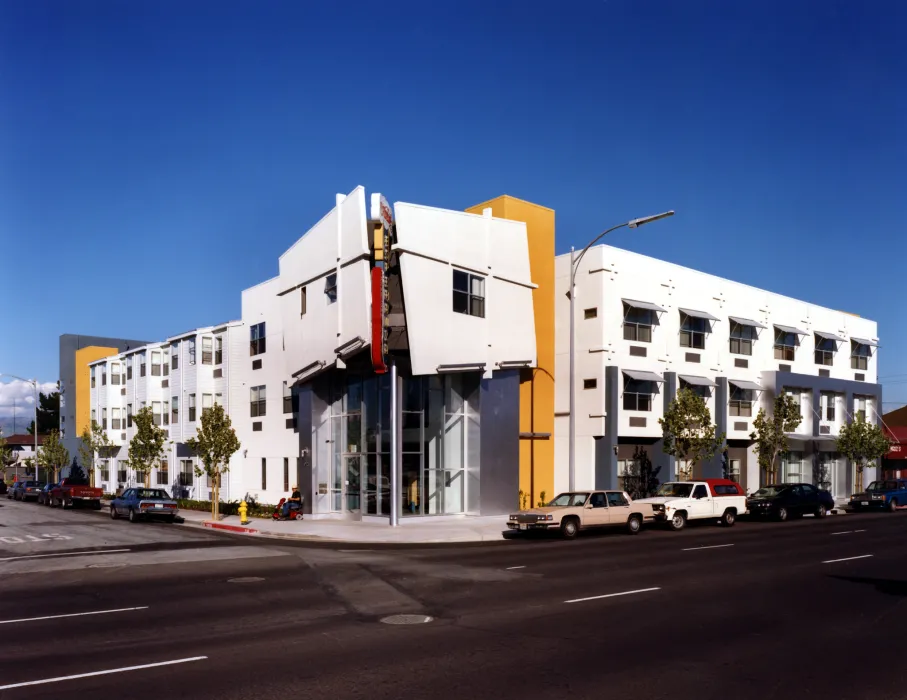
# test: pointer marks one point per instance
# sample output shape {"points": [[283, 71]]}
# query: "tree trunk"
{"points": [[859, 485], [216, 496], [147, 478]]}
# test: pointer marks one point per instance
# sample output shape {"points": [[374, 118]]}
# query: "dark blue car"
{"points": [[888, 494]]}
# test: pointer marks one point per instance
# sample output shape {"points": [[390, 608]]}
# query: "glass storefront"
{"points": [[440, 439]]}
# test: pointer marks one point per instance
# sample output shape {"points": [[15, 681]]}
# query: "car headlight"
{"points": [[513, 517]]}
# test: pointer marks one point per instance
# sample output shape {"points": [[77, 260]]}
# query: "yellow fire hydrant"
{"points": [[243, 509]]}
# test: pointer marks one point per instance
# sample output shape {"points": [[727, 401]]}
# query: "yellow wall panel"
{"points": [[83, 384]]}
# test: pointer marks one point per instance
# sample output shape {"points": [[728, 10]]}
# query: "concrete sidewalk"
{"points": [[410, 531]]}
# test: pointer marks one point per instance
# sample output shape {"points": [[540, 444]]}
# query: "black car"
{"points": [[3, 488], [783, 501], [44, 494]]}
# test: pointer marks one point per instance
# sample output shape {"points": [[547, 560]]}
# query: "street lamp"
{"points": [[571, 294], [34, 383]]}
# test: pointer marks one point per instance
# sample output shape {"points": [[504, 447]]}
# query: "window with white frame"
{"points": [[128, 415], [798, 399], [638, 395], [156, 417], [207, 402], [218, 350], [104, 418], [93, 377], [740, 403], [174, 410], [207, 350], [257, 339], [156, 364], [163, 472], [175, 355], [115, 373], [218, 399], [191, 351], [103, 375], [734, 470], [129, 367], [166, 352], [859, 407], [187, 472], [191, 408], [94, 417], [825, 351], [624, 467], [330, 287], [859, 356], [741, 338], [638, 324], [468, 294], [258, 401], [142, 364], [114, 418], [693, 331], [791, 467], [786, 345], [827, 405], [104, 466]]}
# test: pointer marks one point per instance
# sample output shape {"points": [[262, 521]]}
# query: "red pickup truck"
{"points": [[72, 491]]}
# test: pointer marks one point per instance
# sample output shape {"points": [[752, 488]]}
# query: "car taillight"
{"points": [[147, 505]]}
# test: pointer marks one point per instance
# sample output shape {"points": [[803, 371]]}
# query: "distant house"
{"points": [[22, 448]]}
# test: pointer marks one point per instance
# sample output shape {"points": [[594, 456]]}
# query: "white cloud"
{"points": [[20, 396]]}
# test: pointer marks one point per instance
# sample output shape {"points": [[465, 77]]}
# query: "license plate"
{"points": [[523, 526], [864, 503], [158, 505]]}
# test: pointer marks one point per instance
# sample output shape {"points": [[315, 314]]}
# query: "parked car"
{"points": [[44, 495], [28, 490], [887, 494], [583, 510], [783, 501], [141, 503], [676, 502], [3, 488], [70, 492]]}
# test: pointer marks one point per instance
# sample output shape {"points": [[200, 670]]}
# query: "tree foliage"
{"points": [[76, 473], [52, 455], [93, 441], [641, 480], [48, 413], [769, 434], [146, 449], [688, 432], [6, 454], [862, 443], [215, 443]]}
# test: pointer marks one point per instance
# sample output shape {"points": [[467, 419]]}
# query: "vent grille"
{"points": [[165, 384], [256, 427], [860, 377], [824, 373], [825, 430], [692, 357], [637, 351], [218, 373], [784, 368], [256, 364], [637, 422], [291, 424], [740, 362], [740, 425]]}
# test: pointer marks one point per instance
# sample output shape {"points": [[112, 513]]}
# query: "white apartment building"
{"points": [[646, 328]]}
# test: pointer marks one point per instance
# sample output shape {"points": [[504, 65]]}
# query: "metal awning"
{"points": [[863, 341], [746, 322], [789, 329], [648, 305], [744, 384], [693, 380], [642, 376], [830, 336], [698, 314], [810, 438]]}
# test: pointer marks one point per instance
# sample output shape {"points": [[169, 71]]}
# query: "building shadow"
{"points": [[886, 586]]}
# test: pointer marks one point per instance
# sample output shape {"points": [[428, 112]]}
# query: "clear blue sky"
{"points": [[157, 156]]}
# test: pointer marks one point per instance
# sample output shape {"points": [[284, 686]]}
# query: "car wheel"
{"points": [[113, 513], [821, 512], [634, 524], [678, 521], [782, 514], [133, 516], [298, 516], [893, 505], [728, 518], [170, 519], [570, 528]]}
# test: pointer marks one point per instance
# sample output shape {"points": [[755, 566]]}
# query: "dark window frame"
{"points": [[257, 339], [693, 330], [468, 293], [638, 324], [258, 401], [637, 395]]}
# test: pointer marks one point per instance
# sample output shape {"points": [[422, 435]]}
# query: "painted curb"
{"points": [[230, 528]]}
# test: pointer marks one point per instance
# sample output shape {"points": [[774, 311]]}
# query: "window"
{"points": [[303, 301], [94, 417], [725, 489], [191, 408], [741, 402], [330, 288], [286, 474], [623, 473], [166, 362], [114, 418], [142, 365], [103, 375], [287, 398], [128, 415], [257, 338], [258, 402], [92, 378], [175, 355], [742, 337], [703, 392], [638, 395], [795, 395], [156, 363], [115, 373], [785, 345], [104, 418], [163, 473], [186, 472], [129, 367], [191, 351], [733, 471], [692, 332], [104, 466], [827, 404], [122, 473], [615, 500], [219, 350], [218, 399], [165, 412], [207, 350], [597, 500], [700, 491], [790, 467], [207, 402], [590, 383], [468, 294], [825, 351], [156, 412], [590, 313], [638, 324], [859, 356], [859, 406], [175, 410], [264, 474]]}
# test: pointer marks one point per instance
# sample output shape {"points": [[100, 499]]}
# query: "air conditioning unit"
{"points": [[122, 436]]}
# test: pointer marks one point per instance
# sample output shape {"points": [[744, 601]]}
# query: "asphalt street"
{"points": [[809, 608]]}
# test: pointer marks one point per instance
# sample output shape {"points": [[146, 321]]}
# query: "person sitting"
{"points": [[293, 503]]}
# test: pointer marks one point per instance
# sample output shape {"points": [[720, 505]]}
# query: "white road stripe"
{"points": [[511, 568], [102, 673], [711, 546], [835, 561], [66, 554], [611, 595], [57, 617], [859, 530], [845, 532]]}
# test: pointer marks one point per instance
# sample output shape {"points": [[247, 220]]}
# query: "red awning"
{"points": [[898, 437]]}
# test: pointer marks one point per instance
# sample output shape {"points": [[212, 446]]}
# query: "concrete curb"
{"points": [[229, 528]]}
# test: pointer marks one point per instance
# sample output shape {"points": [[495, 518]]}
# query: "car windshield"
{"points": [[769, 491], [569, 499], [883, 486], [151, 493], [675, 490]]}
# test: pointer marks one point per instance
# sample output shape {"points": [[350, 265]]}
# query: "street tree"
{"points": [[48, 413], [688, 432], [862, 443], [641, 480], [146, 449], [76, 473], [52, 455], [6, 455], [93, 443], [770, 434], [215, 443]]}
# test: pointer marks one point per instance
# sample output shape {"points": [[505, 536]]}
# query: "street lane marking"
{"points": [[711, 546], [859, 530], [835, 561], [611, 595], [66, 554], [845, 532], [103, 673], [57, 617], [512, 568]]}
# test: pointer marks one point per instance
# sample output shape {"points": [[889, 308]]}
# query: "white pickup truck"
{"points": [[676, 502]]}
